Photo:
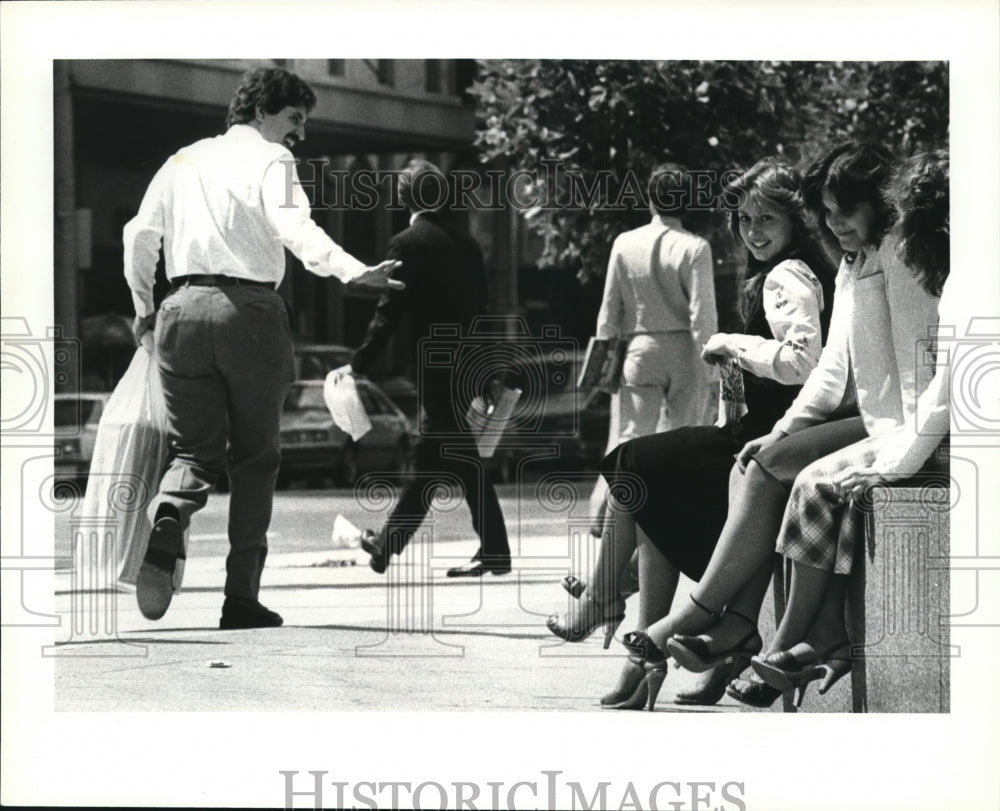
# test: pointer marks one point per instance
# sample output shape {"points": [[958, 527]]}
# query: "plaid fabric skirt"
{"points": [[818, 530]]}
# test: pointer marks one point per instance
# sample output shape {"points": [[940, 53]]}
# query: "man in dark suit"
{"points": [[445, 286]]}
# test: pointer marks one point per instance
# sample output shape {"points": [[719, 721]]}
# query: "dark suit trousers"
{"points": [[442, 461], [225, 357]]}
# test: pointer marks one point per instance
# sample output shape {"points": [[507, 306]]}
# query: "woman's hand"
{"points": [[852, 483], [755, 446], [718, 350]]}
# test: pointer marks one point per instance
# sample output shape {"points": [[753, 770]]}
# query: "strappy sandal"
{"points": [[692, 652], [654, 664], [797, 667], [753, 692]]}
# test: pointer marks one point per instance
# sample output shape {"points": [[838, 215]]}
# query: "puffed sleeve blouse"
{"points": [[792, 301]]}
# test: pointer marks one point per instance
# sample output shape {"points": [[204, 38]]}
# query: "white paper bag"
{"points": [[341, 395], [345, 534]]}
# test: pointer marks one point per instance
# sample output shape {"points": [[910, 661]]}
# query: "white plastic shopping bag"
{"points": [[129, 455], [341, 395]]}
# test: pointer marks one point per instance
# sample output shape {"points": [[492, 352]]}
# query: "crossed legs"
{"points": [[739, 571]]}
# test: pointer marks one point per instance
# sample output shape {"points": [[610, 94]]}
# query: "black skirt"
{"points": [[676, 486]]}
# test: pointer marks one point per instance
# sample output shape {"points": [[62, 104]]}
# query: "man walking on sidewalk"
{"points": [[445, 286], [224, 209]]}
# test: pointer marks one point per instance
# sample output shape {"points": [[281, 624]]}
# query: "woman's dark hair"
{"points": [[853, 173], [919, 188], [271, 89], [779, 184]]}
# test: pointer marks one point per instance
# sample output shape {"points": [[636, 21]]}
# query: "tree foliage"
{"points": [[622, 117]]}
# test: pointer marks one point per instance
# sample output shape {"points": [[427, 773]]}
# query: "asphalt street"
{"points": [[464, 645]]}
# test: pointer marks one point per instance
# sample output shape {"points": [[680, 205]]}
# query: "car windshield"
{"points": [[68, 411], [304, 398]]}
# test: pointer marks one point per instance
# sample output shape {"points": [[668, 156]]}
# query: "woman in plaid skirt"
{"points": [[866, 385], [824, 519]]}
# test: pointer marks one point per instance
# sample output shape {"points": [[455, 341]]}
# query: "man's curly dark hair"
{"points": [[919, 188], [271, 89]]}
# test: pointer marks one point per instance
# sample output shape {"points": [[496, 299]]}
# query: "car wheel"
{"points": [[347, 471]]}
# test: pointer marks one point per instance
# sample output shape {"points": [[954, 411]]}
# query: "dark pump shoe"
{"points": [[239, 612], [477, 567], [154, 586], [374, 545]]}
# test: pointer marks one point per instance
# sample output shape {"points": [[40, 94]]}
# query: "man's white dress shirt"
{"points": [[228, 205]]}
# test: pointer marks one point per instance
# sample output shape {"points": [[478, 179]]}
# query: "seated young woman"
{"points": [[868, 367], [670, 489], [823, 519]]}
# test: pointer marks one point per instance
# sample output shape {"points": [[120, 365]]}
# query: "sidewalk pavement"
{"points": [[411, 640]]}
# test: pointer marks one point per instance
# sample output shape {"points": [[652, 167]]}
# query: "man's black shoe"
{"points": [[154, 587], [477, 567], [374, 545], [239, 612]]}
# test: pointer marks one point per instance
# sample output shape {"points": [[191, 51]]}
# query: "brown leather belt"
{"points": [[216, 280]]}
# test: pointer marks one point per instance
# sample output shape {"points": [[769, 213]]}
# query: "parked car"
{"points": [[312, 445], [571, 432], [405, 397], [315, 361], [75, 421]]}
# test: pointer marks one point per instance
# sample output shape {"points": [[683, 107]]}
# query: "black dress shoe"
{"points": [[477, 567], [154, 587], [240, 612], [374, 545]]}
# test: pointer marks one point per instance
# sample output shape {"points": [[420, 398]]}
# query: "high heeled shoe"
{"points": [[711, 690], [800, 665], [585, 617], [631, 691], [654, 665], [753, 692], [692, 652], [574, 586], [628, 583]]}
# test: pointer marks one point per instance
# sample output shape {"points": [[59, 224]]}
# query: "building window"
{"points": [[335, 67], [386, 72], [432, 75]]}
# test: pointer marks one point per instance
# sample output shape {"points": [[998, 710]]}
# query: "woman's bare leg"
{"points": [[618, 544], [658, 579], [807, 601], [742, 558]]}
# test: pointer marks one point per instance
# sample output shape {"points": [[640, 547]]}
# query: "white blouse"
{"points": [[882, 319], [793, 301]]}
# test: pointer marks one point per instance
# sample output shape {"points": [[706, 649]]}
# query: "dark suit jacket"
{"points": [[445, 285]]}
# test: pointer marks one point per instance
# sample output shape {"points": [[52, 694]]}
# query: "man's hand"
{"points": [[755, 446], [378, 276], [142, 329], [341, 372]]}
